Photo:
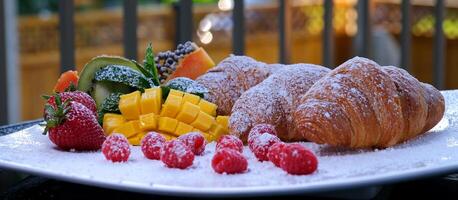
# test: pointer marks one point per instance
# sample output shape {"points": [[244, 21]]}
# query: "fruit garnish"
{"points": [[274, 153], [116, 148], [188, 60], [260, 144], [298, 160], [68, 81], [150, 65], [186, 85], [229, 161], [124, 75], [195, 141], [76, 96], [176, 154], [180, 114], [259, 129], [230, 142], [152, 144], [71, 125]]}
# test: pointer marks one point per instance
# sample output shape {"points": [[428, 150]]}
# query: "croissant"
{"points": [[361, 104], [230, 78], [274, 99]]}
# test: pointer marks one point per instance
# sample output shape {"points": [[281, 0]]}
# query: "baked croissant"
{"points": [[361, 104], [230, 78], [274, 99]]}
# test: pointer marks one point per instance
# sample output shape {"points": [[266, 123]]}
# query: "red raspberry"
{"points": [[274, 153], [116, 148], [152, 144], [231, 142], [176, 154], [195, 141], [260, 144], [229, 161], [260, 129], [296, 159]]}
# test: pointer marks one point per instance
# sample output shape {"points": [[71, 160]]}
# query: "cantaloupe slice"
{"points": [[193, 65]]}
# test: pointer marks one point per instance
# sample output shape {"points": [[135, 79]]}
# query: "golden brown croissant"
{"points": [[230, 78], [274, 99], [360, 104]]}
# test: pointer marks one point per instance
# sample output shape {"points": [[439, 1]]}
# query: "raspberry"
{"points": [[152, 144], [176, 154], [195, 141], [274, 153], [260, 144], [231, 142], [116, 148], [260, 129], [296, 159], [229, 161]]}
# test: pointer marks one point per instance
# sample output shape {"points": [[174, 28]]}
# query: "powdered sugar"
{"points": [[435, 151]]}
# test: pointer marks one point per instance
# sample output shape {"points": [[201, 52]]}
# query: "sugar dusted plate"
{"points": [[435, 153]]}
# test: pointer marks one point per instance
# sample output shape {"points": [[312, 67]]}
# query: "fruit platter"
{"points": [[179, 124]]}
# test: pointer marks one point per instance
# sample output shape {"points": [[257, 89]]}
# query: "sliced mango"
{"points": [[203, 121], [188, 113], [223, 121], [129, 105], [171, 106], [208, 107], [191, 98], [148, 122], [151, 101], [129, 129], [216, 130], [183, 128], [174, 92], [167, 124], [112, 121]]}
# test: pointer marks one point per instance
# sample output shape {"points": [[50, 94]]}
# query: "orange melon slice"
{"points": [[193, 65]]}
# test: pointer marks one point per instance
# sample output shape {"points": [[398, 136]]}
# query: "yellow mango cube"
{"points": [[129, 105], [151, 101], [128, 129], [191, 98], [167, 124], [188, 113], [223, 121], [174, 92], [135, 140], [217, 131], [183, 128], [171, 106], [203, 121], [148, 122], [111, 121], [208, 107], [208, 137]]}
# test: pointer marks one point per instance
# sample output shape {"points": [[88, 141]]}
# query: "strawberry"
{"points": [[77, 96], [71, 125]]}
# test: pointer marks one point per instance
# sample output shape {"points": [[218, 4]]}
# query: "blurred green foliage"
{"points": [[31, 7]]}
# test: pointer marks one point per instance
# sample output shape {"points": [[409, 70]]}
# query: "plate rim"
{"points": [[186, 191]]}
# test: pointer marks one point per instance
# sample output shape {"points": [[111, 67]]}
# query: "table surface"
{"points": [[34, 187]]}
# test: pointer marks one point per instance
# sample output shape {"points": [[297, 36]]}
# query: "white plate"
{"points": [[434, 153]]}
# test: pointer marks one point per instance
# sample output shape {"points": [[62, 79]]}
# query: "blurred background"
{"points": [[99, 30]]}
